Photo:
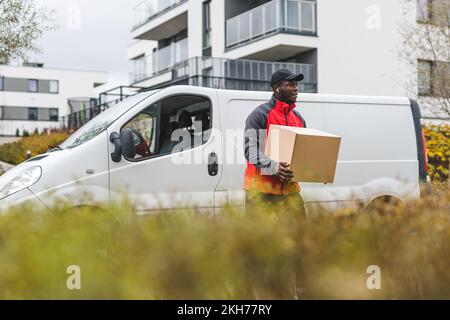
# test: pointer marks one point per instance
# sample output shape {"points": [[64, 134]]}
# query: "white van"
{"points": [[128, 150]]}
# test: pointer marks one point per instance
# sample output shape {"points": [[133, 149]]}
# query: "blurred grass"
{"points": [[231, 256]]}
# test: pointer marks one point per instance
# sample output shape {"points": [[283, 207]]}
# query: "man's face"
{"points": [[288, 91]]}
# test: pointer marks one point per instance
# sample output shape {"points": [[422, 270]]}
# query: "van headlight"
{"points": [[21, 181]]}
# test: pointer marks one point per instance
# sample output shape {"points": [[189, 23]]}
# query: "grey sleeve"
{"points": [[254, 143], [301, 118]]}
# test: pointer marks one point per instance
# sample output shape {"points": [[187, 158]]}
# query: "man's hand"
{"points": [[284, 173]]}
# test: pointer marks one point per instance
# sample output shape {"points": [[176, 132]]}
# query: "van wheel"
{"points": [[383, 205]]}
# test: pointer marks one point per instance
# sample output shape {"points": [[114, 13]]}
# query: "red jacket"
{"points": [[260, 171]]}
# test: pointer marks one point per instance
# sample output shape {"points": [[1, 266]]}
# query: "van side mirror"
{"points": [[127, 140], [123, 145], [116, 155]]}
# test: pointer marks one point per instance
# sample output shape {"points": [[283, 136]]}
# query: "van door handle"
{"points": [[213, 166]]}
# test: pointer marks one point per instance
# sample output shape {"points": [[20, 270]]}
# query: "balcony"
{"points": [[236, 74], [149, 9], [160, 61], [290, 16]]}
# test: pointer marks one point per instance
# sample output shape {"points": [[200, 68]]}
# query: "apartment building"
{"points": [[342, 47], [34, 97], [433, 61], [223, 44]]}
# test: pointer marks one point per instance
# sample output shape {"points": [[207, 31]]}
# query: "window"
{"points": [[2, 80], [32, 113], [433, 11], [206, 24], [433, 78], [423, 12], [100, 123], [15, 113], [54, 114], [172, 125], [440, 79], [33, 85], [143, 129], [440, 12], [424, 77], [54, 86]]}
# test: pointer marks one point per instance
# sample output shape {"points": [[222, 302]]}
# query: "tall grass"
{"points": [[264, 255]]}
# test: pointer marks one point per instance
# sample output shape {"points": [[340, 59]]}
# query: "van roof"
{"points": [[308, 97]]}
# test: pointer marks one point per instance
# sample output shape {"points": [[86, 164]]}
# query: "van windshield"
{"points": [[101, 122]]}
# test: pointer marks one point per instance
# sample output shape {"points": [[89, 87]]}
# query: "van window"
{"points": [[101, 122], [174, 124], [143, 127]]}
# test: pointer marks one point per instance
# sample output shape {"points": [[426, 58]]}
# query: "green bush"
{"points": [[15, 152], [232, 256], [438, 151]]}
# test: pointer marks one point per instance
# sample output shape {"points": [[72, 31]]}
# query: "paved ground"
{"points": [[4, 140]]}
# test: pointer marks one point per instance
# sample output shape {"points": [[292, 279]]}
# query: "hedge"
{"points": [[16, 152], [438, 151]]}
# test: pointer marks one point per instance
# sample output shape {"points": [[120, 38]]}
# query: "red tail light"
{"points": [[425, 156]]}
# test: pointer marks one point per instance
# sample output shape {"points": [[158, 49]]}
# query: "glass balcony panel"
{"points": [[292, 15], [244, 27], [165, 57], [308, 15], [270, 14], [257, 21], [232, 31], [147, 9]]}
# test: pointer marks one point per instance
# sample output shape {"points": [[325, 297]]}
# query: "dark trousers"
{"points": [[257, 201]]}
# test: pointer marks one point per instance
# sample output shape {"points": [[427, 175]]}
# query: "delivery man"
{"points": [[266, 180]]}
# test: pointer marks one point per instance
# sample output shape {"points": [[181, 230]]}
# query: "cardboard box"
{"points": [[311, 153]]}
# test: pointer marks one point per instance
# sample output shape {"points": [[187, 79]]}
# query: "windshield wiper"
{"points": [[56, 148]]}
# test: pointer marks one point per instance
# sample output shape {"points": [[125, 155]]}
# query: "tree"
{"points": [[21, 25], [426, 46]]}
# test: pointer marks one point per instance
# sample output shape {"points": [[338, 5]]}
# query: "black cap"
{"points": [[285, 74]]}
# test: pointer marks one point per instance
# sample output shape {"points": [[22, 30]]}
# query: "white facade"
{"points": [[355, 48], [16, 100]]}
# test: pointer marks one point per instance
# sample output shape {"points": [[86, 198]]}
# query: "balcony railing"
{"points": [[149, 9], [159, 61], [274, 16], [240, 74]]}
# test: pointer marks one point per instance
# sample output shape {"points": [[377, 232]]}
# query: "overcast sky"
{"points": [[92, 35]]}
